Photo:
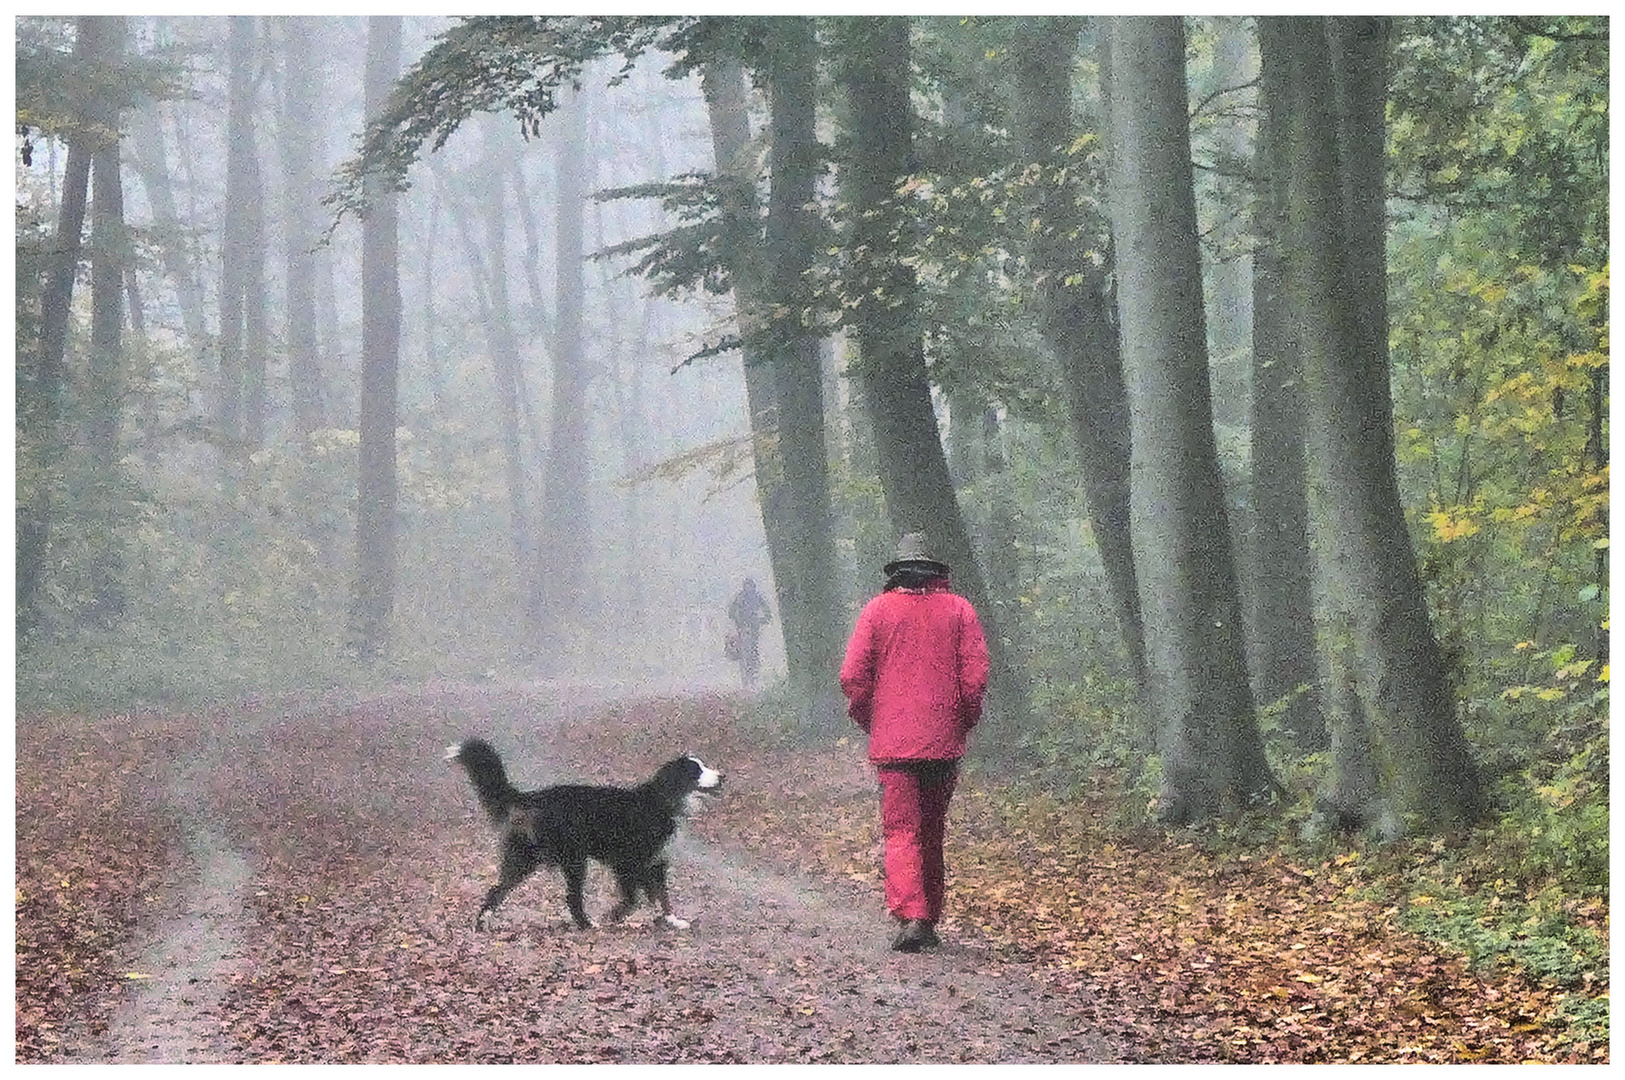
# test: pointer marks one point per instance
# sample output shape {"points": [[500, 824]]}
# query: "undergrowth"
{"points": [[1526, 889]]}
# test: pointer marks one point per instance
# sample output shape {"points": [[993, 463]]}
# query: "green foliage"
{"points": [[1524, 137], [488, 64], [1494, 927], [700, 252], [1499, 271], [54, 87]]}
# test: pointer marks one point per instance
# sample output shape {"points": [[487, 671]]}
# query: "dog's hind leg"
{"points": [[575, 883], [516, 867], [627, 880]]}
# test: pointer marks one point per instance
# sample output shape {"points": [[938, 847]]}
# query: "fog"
{"points": [[251, 555]]}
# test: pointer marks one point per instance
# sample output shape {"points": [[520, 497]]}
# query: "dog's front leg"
{"points": [[627, 882], [516, 867], [658, 894], [575, 883]]}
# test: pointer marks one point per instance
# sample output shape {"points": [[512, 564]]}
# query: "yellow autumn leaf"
{"points": [[1448, 526]]}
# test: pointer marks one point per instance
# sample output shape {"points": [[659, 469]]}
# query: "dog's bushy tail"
{"points": [[490, 779]]}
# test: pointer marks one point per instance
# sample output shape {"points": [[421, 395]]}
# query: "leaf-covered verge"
{"points": [[1194, 946], [1226, 950], [93, 851]]}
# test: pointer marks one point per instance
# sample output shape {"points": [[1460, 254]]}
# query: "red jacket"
{"points": [[915, 672]]}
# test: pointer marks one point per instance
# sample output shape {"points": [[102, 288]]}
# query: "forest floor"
{"points": [[295, 880]]}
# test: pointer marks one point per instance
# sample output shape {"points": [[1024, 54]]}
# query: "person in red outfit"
{"points": [[915, 671]]}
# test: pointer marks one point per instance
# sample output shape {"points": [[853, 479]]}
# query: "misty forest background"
{"points": [[354, 349]]}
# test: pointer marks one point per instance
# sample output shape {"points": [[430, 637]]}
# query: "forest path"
{"points": [[320, 916], [179, 971], [296, 880]]}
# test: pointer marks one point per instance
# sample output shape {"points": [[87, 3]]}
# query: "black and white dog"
{"points": [[626, 829]]}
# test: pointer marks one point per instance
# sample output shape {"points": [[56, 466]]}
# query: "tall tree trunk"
{"points": [[233, 229], [1284, 666], [146, 153], [104, 384], [300, 137], [436, 368], [491, 297], [1402, 757], [1074, 315], [913, 470], [374, 595], [244, 337], [40, 394], [256, 299], [1002, 558], [812, 622], [1227, 288], [558, 583], [723, 82], [633, 439], [1597, 451], [1209, 739]]}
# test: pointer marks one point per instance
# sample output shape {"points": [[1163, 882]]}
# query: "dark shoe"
{"points": [[931, 939], [915, 935]]}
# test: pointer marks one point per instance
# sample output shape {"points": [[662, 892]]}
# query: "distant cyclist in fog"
{"points": [[749, 612]]}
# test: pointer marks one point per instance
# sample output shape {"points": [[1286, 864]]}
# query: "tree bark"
{"points": [[243, 328], [913, 470], [1401, 726], [808, 604], [1211, 749], [559, 577], [300, 137], [1283, 639], [1075, 318], [723, 82], [40, 394], [104, 383], [374, 595]]}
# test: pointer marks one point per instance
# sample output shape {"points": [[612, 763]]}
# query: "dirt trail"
{"points": [[173, 1015], [777, 966], [961, 1002], [179, 973]]}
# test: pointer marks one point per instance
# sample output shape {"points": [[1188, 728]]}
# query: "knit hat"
{"points": [[912, 550]]}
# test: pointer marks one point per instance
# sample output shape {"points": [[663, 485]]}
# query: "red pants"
{"points": [[913, 813]]}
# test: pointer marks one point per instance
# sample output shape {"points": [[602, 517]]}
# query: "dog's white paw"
{"points": [[671, 922]]}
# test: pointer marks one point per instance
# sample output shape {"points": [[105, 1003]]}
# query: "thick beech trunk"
{"points": [[559, 574], [1282, 636], [1212, 753], [813, 631], [913, 470], [1401, 758], [374, 596], [1075, 317], [104, 381]]}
